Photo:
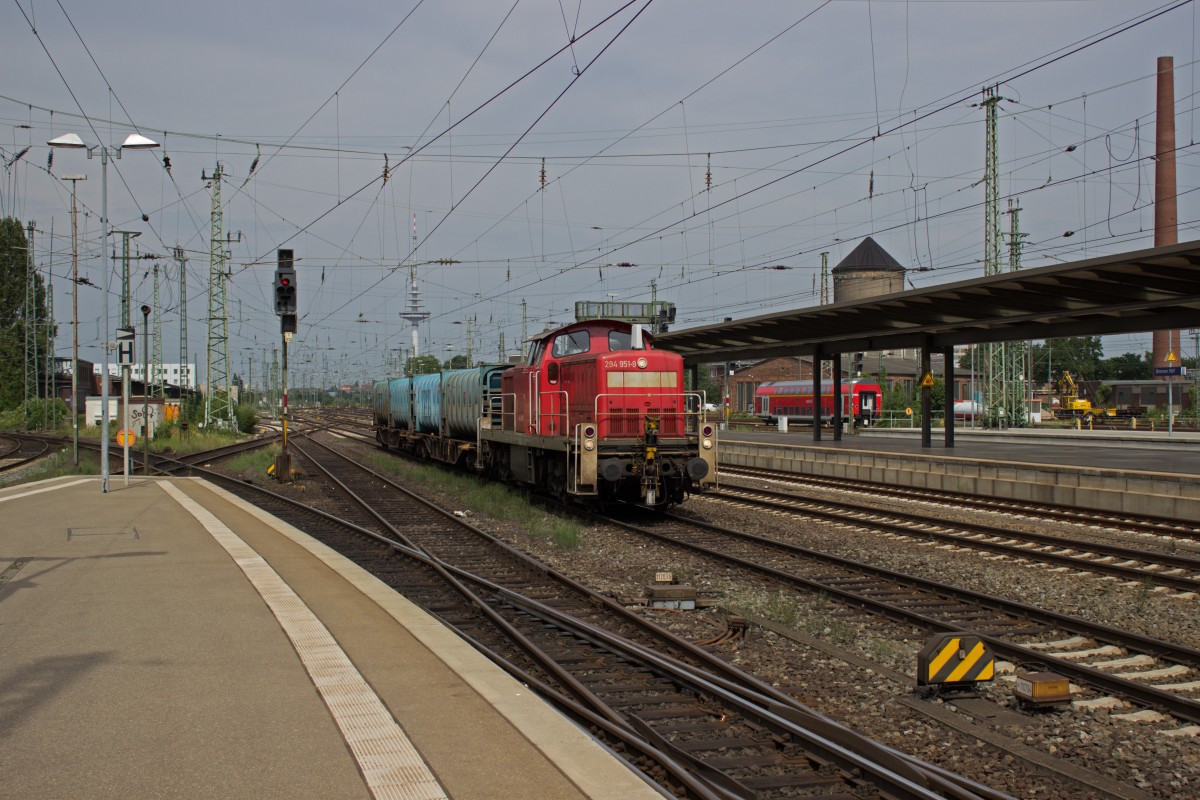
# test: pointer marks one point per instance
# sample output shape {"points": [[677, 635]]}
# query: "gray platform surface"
{"points": [[140, 660]]}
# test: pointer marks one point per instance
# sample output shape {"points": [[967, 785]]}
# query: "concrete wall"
{"points": [[1157, 494]]}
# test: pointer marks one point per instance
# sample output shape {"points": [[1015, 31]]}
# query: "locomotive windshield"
{"points": [[569, 344], [619, 340]]}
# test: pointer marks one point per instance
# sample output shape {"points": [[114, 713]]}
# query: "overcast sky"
{"points": [[819, 123]]}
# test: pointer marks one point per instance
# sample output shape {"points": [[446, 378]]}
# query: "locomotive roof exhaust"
{"points": [[637, 343]]}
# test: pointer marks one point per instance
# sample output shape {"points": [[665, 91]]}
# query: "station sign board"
{"points": [[125, 339]]}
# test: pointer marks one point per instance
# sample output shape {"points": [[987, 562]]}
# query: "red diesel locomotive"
{"points": [[595, 414]]}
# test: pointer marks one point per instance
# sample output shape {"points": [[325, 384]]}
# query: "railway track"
{"points": [[627, 670], [1149, 672], [1170, 570], [1148, 526], [17, 450]]}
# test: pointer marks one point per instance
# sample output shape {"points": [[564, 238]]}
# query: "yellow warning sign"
{"points": [[1171, 359], [927, 381], [954, 658]]}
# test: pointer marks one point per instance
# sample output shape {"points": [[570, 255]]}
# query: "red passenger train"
{"points": [[861, 401]]}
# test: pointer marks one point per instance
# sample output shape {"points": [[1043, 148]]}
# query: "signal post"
{"points": [[285, 308]]}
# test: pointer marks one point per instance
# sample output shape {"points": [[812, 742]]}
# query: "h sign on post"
{"points": [[125, 339]]}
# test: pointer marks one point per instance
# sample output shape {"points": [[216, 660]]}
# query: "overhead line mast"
{"points": [[184, 373], [218, 400], [996, 363]]}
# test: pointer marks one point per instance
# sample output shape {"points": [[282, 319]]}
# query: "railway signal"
{"points": [[285, 307], [285, 291]]}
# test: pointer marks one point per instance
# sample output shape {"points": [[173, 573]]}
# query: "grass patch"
{"points": [[169, 439], [491, 499], [54, 466], [256, 461]]}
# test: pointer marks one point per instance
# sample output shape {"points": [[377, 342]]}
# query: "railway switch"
{"points": [[954, 661]]}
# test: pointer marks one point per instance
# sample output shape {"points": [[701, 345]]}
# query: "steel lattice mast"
{"points": [[31, 324], [1018, 351], [996, 361], [184, 372], [218, 402], [156, 351]]}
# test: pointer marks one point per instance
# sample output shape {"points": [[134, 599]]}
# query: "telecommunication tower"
{"points": [[414, 313]]}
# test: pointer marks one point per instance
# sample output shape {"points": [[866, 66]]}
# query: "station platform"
{"points": [[1145, 472], [169, 640]]}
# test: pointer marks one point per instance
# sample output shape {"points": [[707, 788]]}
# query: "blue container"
{"points": [[427, 403], [400, 403], [379, 396], [465, 392]]}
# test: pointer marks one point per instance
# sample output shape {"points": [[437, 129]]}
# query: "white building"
{"points": [[174, 374]]}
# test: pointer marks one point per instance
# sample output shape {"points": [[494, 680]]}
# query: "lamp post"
{"points": [[133, 142]]}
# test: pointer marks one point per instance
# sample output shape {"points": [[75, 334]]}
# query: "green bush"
{"points": [[32, 416], [247, 417]]}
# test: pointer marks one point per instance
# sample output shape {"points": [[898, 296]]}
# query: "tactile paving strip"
{"points": [[390, 764]]}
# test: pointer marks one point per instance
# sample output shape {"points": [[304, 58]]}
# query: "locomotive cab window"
{"points": [[619, 340], [570, 344]]}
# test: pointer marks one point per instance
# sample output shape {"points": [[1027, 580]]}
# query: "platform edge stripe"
{"points": [[389, 763], [6, 498], [573, 750]]}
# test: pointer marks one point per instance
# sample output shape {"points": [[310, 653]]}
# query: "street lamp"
{"points": [[134, 141]]}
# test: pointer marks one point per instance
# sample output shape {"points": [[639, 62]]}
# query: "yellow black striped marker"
{"points": [[953, 658]]}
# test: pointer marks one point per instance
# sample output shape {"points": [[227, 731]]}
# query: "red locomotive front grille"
{"points": [[634, 393]]}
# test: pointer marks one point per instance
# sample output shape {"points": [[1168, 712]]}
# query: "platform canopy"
{"points": [[1147, 290]]}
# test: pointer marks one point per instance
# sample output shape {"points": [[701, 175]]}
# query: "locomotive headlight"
{"points": [[589, 432], [589, 445], [706, 444], [642, 363]]}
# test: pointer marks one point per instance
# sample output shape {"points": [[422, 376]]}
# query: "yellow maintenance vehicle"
{"points": [[1072, 406]]}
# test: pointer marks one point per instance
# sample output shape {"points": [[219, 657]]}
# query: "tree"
{"points": [[1126, 367], [458, 362], [422, 365], [706, 384], [1079, 355], [14, 313]]}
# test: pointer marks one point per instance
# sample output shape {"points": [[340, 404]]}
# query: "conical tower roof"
{"points": [[869, 257]]}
